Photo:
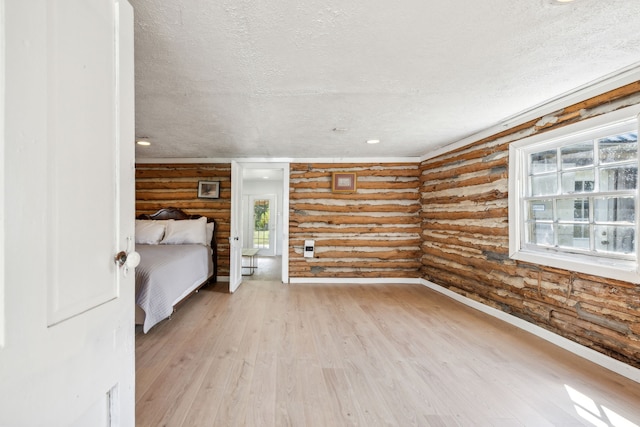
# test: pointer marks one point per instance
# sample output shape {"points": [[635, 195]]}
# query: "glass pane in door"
{"points": [[261, 216]]}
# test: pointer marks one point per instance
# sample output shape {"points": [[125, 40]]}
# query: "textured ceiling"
{"points": [[291, 79]]}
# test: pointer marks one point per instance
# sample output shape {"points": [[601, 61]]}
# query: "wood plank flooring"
{"points": [[362, 355]]}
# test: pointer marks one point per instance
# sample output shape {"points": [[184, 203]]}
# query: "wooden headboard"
{"points": [[179, 214]]}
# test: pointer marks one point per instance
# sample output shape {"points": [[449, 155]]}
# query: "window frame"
{"points": [[610, 267]]}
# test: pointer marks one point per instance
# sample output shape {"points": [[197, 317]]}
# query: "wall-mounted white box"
{"points": [[309, 248]]}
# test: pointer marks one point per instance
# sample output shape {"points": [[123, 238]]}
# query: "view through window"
{"points": [[261, 216], [581, 197]]}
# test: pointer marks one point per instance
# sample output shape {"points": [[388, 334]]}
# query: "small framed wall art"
{"points": [[208, 189], [343, 182]]}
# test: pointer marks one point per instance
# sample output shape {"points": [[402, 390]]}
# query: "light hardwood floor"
{"points": [[347, 355], [269, 268]]}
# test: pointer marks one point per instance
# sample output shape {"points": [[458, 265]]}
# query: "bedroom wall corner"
{"points": [[465, 234], [162, 185]]}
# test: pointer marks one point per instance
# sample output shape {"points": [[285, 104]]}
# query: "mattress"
{"points": [[166, 274]]}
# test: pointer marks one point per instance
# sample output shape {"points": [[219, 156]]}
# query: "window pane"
{"points": [[544, 161], [620, 178], [577, 198], [544, 185], [577, 155], [540, 234], [578, 182], [573, 209], [618, 148], [540, 209], [615, 209], [615, 239], [573, 236], [261, 213]]}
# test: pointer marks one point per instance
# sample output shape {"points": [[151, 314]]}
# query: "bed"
{"points": [[178, 255]]}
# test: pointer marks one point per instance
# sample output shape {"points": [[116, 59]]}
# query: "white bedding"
{"points": [[166, 274]]}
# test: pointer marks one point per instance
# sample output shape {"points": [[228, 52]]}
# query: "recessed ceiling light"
{"points": [[560, 2], [373, 141], [143, 142]]}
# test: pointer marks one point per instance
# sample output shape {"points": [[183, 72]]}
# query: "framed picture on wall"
{"points": [[208, 189], [343, 182]]}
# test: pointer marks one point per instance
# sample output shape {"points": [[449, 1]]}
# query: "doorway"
{"points": [[265, 220]]}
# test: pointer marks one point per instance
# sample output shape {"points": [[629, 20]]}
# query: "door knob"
{"points": [[121, 258], [130, 260], [133, 259]]}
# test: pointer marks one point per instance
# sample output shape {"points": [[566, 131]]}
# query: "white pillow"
{"points": [[148, 232], [187, 231], [210, 226]]}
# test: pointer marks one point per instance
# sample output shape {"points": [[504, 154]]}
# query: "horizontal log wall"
{"points": [[374, 232], [162, 185], [466, 239]]}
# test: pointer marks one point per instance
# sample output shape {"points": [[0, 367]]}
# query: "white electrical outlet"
{"points": [[308, 248]]}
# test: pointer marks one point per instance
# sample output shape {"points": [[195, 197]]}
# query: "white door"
{"points": [[67, 333], [235, 237]]}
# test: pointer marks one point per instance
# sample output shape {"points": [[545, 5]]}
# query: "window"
{"points": [[573, 197]]}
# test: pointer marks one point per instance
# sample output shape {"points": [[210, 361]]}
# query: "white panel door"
{"points": [[235, 237], [68, 353]]}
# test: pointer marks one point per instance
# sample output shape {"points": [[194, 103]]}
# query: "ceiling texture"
{"points": [[294, 79]]}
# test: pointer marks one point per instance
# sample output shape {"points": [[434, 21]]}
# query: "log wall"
{"points": [[374, 232], [162, 185], [466, 239]]}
